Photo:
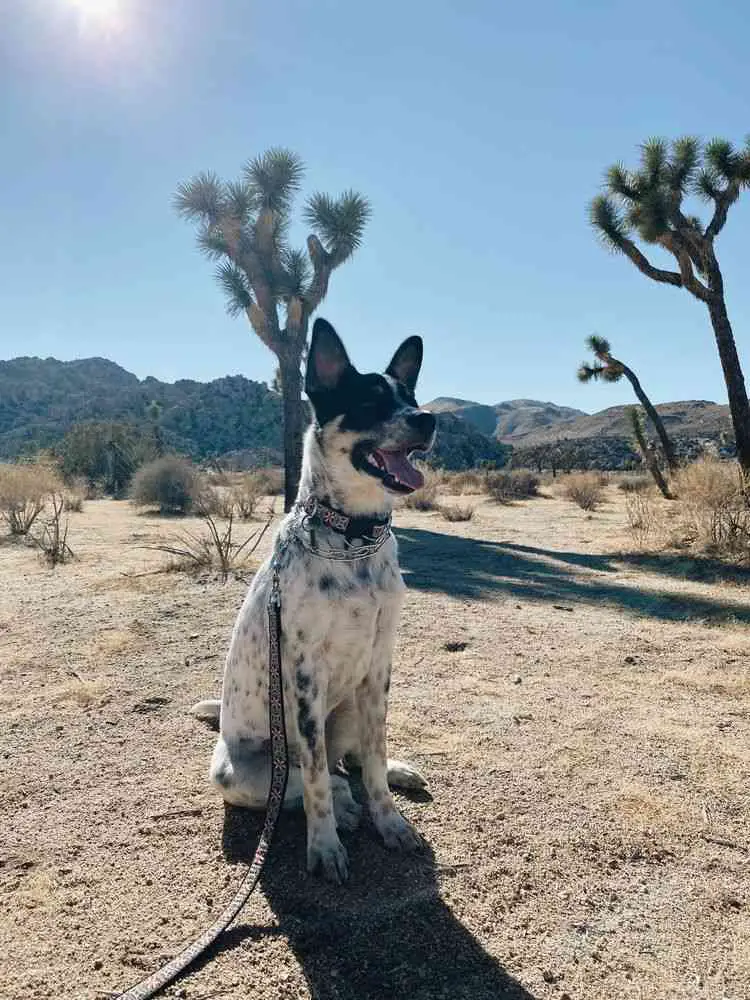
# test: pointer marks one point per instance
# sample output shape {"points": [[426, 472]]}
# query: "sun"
{"points": [[99, 15]]}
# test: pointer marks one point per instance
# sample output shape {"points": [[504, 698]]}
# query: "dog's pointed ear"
{"points": [[406, 362], [327, 360]]}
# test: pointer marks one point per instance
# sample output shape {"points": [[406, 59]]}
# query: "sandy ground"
{"points": [[582, 715]]}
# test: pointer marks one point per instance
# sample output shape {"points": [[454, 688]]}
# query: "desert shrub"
{"points": [[106, 454], [635, 484], [584, 489], [51, 534], [215, 550], [641, 515], [270, 481], [247, 492], [517, 484], [714, 506], [172, 483], [74, 494], [456, 512], [426, 497], [467, 481], [24, 490]]}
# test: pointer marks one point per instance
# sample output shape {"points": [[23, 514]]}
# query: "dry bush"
{"points": [[426, 497], [51, 536], [584, 489], [456, 512], [714, 508], [215, 550], [270, 481], [74, 494], [641, 515], [213, 501], [24, 490], [518, 484], [247, 493], [635, 484], [171, 483], [466, 481]]}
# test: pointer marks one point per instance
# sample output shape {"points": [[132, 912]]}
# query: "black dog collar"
{"points": [[366, 528]]}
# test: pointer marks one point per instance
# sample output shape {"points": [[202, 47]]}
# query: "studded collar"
{"points": [[367, 529]]}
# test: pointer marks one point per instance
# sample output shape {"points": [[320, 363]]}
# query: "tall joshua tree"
{"points": [[639, 433], [244, 226], [611, 369], [647, 204]]}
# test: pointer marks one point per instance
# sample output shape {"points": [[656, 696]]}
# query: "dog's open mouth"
{"points": [[394, 469]]}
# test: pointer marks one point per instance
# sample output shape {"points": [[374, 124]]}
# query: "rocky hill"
{"points": [[508, 421]]}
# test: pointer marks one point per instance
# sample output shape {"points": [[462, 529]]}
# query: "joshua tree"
{"points": [[647, 203], [244, 225], [610, 369], [639, 433]]}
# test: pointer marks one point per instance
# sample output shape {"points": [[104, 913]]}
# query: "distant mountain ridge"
{"points": [[42, 399], [537, 430], [507, 421]]}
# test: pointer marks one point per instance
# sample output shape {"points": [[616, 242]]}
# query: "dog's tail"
{"points": [[208, 712]]}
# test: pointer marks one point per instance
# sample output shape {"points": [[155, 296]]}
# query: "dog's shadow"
{"points": [[386, 933]]}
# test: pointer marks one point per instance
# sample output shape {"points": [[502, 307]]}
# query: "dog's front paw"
{"points": [[403, 775], [346, 811], [330, 855], [398, 834]]}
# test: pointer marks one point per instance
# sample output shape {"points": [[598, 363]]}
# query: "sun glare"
{"points": [[105, 16]]}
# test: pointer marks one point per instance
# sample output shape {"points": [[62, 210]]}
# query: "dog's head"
{"points": [[370, 423]]}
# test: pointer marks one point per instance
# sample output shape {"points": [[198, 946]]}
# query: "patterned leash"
{"points": [[156, 982]]}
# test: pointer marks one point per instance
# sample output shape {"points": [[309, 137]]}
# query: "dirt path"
{"points": [[582, 715]]}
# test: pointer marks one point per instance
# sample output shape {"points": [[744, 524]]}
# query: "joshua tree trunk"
{"points": [[653, 416], [648, 455], [736, 391], [291, 391]]}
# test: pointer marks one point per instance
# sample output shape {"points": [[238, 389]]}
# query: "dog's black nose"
{"points": [[422, 422]]}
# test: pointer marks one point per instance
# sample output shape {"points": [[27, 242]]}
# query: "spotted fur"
{"points": [[338, 619]]}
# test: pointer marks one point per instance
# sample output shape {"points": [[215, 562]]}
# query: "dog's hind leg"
{"points": [[208, 712], [241, 771]]}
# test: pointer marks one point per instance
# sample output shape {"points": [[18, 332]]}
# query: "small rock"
{"points": [[98, 964], [518, 679]]}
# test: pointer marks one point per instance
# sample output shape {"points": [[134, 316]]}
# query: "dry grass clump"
{"points": [[24, 490], [426, 497], [635, 484], [517, 484], [584, 489], [456, 512], [714, 511]]}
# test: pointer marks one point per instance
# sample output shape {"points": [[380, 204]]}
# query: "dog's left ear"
{"points": [[327, 360], [406, 362]]}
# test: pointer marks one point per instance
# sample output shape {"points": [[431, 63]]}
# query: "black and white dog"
{"points": [[339, 615]]}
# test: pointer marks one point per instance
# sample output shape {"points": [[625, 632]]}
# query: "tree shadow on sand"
{"points": [[386, 933], [480, 570]]}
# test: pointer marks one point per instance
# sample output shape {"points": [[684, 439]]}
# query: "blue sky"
{"points": [[479, 130]]}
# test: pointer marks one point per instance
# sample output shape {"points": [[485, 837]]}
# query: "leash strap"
{"points": [[156, 982]]}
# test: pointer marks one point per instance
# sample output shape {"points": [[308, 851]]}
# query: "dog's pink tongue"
{"points": [[401, 468]]}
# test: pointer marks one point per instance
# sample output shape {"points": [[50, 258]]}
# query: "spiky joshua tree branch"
{"points": [[610, 369], [647, 204], [243, 225]]}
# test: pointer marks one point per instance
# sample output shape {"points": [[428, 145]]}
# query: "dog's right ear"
{"points": [[327, 360]]}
